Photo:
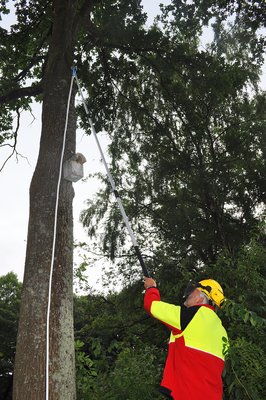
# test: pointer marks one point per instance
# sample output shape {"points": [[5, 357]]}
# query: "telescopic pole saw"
{"points": [[112, 183]]}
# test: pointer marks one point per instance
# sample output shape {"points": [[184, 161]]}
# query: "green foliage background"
{"points": [[120, 350]]}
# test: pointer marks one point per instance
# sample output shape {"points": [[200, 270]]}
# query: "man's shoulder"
{"points": [[187, 313]]}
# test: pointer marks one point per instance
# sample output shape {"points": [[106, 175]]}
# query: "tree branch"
{"points": [[18, 93], [14, 146]]}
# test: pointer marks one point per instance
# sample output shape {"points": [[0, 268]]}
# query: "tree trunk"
{"points": [[29, 375]]}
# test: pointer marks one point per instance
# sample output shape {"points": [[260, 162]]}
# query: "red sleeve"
{"points": [[151, 295]]}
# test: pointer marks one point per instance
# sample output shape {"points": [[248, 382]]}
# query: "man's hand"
{"points": [[149, 282]]}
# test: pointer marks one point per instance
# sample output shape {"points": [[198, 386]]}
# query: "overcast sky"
{"points": [[16, 176]]}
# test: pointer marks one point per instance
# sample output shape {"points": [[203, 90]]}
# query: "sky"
{"points": [[16, 176]]}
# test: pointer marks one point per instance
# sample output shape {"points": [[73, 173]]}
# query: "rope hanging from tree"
{"points": [[53, 245]]}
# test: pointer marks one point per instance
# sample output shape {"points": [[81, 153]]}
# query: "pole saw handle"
{"points": [[141, 261]]}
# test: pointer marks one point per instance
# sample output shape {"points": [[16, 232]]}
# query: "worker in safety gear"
{"points": [[198, 341]]}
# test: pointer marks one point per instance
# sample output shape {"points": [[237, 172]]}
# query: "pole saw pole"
{"points": [[112, 183]]}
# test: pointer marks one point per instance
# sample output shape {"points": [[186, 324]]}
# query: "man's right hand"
{"points": [[149, 282]]}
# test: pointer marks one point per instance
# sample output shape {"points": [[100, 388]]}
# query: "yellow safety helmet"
{"points": [[210, 288], [213, 291]]}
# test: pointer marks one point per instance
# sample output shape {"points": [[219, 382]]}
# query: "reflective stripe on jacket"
{"points": [[197, 347]]}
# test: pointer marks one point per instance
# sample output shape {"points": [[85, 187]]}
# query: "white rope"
{"points": [[53, 247]]}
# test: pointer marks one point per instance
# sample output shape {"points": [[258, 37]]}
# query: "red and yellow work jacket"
{"points": [[197, 347]]}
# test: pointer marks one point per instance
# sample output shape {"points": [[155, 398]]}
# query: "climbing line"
{"points": [[54, 243], [111, 180]]}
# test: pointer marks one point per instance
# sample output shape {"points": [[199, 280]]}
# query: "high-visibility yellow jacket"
{"points": [[197, 347]]}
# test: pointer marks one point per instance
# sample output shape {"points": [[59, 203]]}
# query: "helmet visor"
{"points": [[190, 288]]}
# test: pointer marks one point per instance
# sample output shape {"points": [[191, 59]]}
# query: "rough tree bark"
{"points": [[29, 375]]}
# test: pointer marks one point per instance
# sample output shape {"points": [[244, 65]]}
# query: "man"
{"points": [[198, 341]]}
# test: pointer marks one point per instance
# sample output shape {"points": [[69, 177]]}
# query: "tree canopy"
{"points": [[193, 181]]}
